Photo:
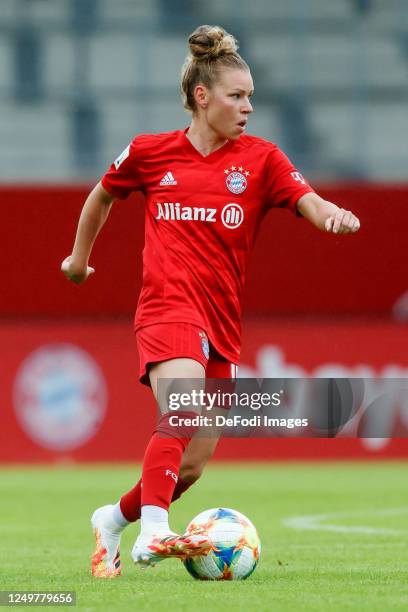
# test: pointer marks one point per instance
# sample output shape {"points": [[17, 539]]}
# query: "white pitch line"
{"points": [[315, 522]]}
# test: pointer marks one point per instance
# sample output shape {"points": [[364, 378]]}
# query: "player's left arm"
{"points": [[326, 216]]}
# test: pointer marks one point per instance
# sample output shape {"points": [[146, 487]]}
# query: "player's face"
{"points": [[229, 103]]}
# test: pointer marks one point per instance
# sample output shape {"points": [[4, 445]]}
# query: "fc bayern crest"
{"points": [[205, 345], [60, 396], [236, 180]]}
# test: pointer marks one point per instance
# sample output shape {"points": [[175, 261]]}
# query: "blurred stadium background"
{"points": [[79, 78]]}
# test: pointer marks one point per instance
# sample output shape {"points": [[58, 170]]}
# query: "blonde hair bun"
{"points": [[209, 42], [212, 50]]}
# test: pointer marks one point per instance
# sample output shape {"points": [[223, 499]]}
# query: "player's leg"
{"points": [[156, 344], [195, 457], [113, 519], [160, 472], [161, 468]]}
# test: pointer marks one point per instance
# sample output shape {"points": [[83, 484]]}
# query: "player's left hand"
{"points": [[343, 222]]}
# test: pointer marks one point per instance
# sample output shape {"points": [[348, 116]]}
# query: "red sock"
{"points": [[161, 465], [131, 502]]}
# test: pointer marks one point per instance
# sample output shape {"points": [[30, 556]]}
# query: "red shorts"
{"points": [[163, 341]]}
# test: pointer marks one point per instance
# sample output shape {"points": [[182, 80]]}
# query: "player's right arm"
{"points": [[94, 214]]}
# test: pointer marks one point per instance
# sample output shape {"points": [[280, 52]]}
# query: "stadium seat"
{"points": [[41, 143]]}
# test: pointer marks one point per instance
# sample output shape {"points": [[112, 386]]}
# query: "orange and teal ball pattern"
{"points": [[235, 550]]}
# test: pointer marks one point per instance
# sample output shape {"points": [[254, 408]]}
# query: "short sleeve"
{"points": [[285, 184], [123, 176]]}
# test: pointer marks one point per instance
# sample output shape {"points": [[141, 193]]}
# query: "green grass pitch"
{"points": [[356, 558]]}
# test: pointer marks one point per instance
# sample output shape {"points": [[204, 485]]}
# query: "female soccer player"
{"points": [[207, 189]]}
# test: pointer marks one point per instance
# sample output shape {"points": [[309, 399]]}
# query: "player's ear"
{"points": [[201, 96]]}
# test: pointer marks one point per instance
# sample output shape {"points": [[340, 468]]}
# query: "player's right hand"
{"points": [[75, 274]]}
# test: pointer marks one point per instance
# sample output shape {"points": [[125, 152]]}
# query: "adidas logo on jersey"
{"points": [[168, 179]]}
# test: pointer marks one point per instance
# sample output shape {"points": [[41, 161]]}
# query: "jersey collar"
{"points": [[217, 154]]}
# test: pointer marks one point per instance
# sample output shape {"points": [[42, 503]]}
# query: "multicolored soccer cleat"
{"points": [[149, 550], [105, 561]]}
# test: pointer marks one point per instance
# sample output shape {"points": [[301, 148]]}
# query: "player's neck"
{"points": [[205, 140]]}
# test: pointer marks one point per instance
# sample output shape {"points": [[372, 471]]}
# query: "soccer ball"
{"points": [[235, 546]]}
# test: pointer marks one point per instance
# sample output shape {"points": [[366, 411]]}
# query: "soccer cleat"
{"points": [[105, 561], [149, 550]]}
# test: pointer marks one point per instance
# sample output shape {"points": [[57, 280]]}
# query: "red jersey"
{"points": [[202, 216]]}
